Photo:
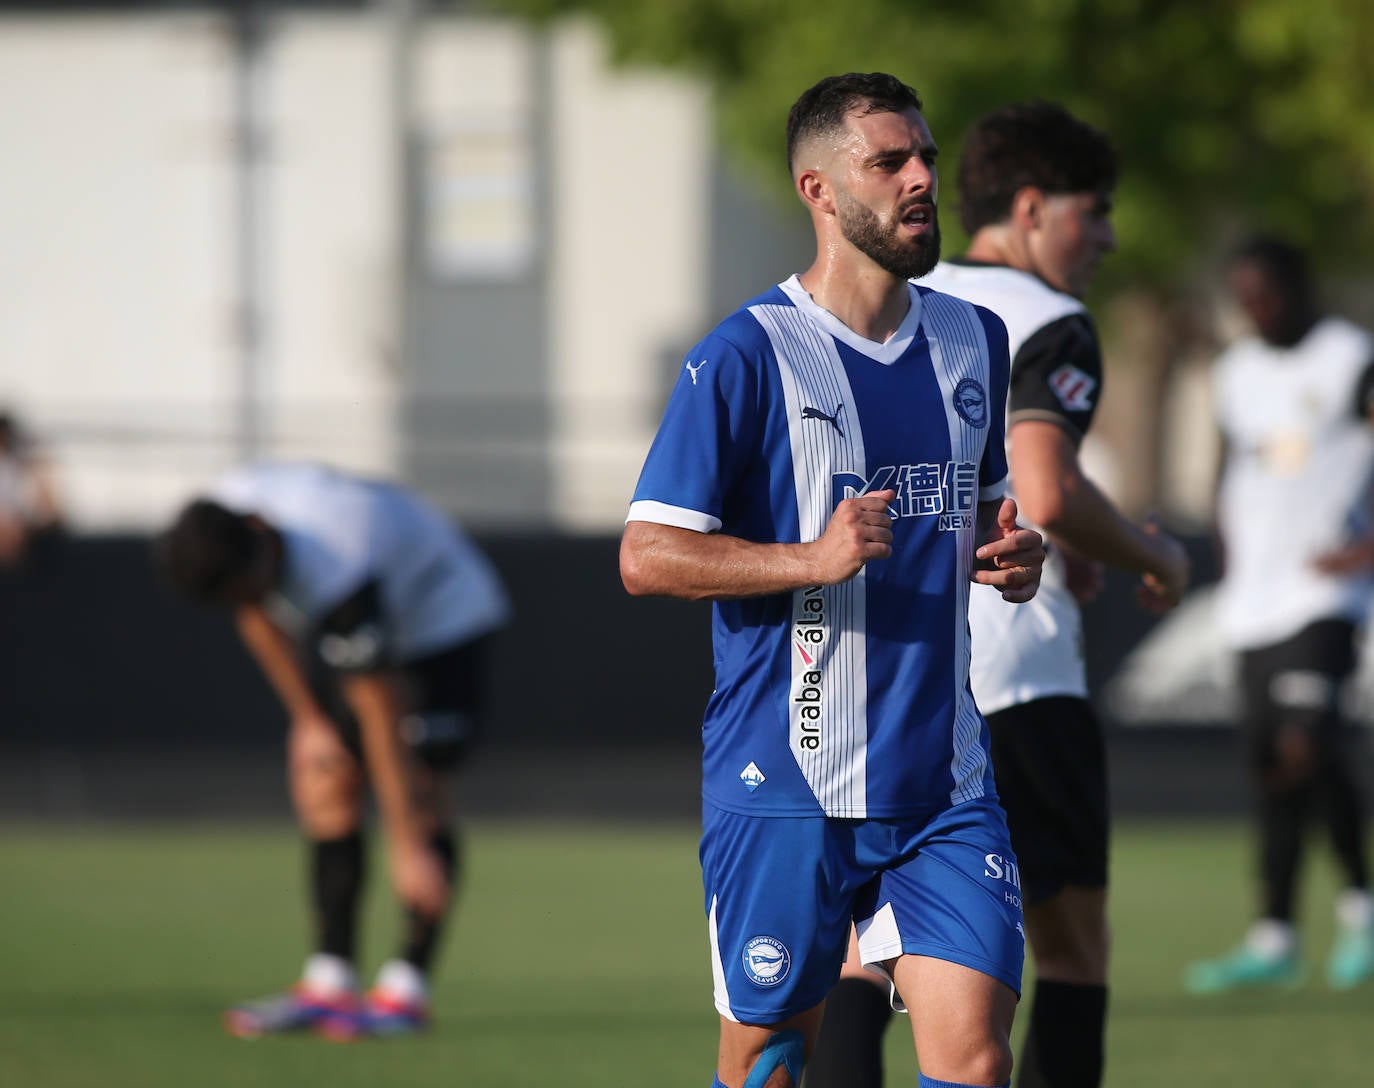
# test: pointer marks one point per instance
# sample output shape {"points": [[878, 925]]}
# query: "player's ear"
{"points": [[815, 191], [1027, 208]]}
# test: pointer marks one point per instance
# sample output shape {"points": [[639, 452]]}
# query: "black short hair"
{"points": [[823, 107], [1284, 262], [207, 549], [1035, 143]]}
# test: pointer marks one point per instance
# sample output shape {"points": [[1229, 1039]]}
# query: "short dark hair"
{"points": [[1035, 143], [823, 107], [1283, 262], [207, 549]]}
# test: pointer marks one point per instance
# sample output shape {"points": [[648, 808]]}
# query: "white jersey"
{"points": [[372, 571], [1297, 483], [1034, 650]]}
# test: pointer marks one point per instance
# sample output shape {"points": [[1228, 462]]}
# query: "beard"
{"points": [[906, 258]]}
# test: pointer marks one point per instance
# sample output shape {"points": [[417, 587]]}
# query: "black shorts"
{"points": [[1297, 682], [1050, 761], [443, 696]]}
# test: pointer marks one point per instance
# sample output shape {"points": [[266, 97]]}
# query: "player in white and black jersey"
{"points": [[1035, 186], [829, 472], [370, 614], [1295, 403]]}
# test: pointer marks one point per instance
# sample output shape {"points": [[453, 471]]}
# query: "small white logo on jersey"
{"points": [[692, 370], [351, 651], [766, 960], [752, 777], [1073, 388]]}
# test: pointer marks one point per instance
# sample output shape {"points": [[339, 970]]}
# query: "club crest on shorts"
{"points": [[766, 960], [971, 402]]}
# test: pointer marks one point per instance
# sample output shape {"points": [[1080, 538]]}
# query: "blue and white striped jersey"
{"points": [[849, 700]]}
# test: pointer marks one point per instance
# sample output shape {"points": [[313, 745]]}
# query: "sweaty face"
{"points": [[1074, 234], [885, 194]]}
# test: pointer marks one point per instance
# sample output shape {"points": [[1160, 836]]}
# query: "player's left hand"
{"points": [[1012, 558]]}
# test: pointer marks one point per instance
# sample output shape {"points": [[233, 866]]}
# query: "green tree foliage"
{"points": [[1229, 114]]}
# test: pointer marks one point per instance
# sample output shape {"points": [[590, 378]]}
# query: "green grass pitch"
{"points": [[578, 960]]}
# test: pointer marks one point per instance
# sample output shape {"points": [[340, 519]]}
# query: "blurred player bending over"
{"points": [[1035, 187], [830, 471], [1296, 513], [369, 613]]}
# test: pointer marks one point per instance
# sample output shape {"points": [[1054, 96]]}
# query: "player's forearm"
{"points": [[665, 561], [275, 654], [1074, 512], [373, 700]]}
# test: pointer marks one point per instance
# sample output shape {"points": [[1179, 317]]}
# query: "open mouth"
{"points": [[919, 217]]}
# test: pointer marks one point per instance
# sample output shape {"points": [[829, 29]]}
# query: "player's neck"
{"points": [[867, 299], [996, 246], [1295, 330]]}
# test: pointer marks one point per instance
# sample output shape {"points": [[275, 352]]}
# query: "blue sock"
{"points": [[924, 1081], [715, 1083]]}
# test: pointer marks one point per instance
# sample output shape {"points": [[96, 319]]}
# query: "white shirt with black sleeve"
{"points": [[1023, 652], [374, 576]]}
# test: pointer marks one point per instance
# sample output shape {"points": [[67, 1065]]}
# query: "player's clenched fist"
{"points": [[860, 530]]}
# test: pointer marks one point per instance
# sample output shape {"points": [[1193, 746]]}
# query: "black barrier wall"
{"points": [[118, 698], [95, 649]]}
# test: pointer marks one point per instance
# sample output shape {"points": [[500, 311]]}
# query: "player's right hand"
{"points": [[1163, 585], [860, 531], [418, 878]]}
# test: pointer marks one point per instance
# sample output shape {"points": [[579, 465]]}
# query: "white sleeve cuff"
{"points": [[662, 514]]}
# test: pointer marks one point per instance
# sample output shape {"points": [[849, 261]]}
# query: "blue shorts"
{"points": [[781, 893]]}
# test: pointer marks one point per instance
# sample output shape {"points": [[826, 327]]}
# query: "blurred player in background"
{"points": [[1035, 188], [370, 615], [28, 499], [1296, 403], [830, 472]]}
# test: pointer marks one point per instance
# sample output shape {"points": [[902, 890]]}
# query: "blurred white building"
{"points": [[458, 251]]}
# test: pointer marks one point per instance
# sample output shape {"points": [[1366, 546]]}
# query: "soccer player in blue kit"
{"points": [[830, 472], [1035, 197]]}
